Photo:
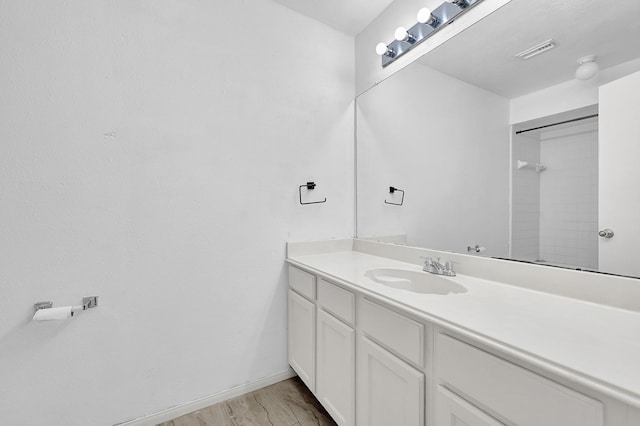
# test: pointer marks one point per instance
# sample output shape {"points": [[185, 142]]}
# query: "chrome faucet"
{"points": [[437, 268]]}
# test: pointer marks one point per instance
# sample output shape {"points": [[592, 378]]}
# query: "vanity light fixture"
{"points": [[403, 35], [428, 23], [588, 68], [460, 3], [426, 17], [383, 50]]}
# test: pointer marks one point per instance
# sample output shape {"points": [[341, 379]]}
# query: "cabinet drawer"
{"points": [[336, 300], [518, 395], [399, 334], [302, 282]]}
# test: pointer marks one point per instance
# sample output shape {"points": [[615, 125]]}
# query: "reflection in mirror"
{"points": [[446, 143], [555, 190], [511, 158]]}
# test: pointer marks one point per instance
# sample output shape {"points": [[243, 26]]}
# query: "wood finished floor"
{"points": [[287, 403]]}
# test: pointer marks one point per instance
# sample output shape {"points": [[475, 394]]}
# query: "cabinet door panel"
{"points": [[523, 397], [336, 368], [302, 282], [302, 338], [389, 391], [398, 333], [338, 301], [454, 411]]}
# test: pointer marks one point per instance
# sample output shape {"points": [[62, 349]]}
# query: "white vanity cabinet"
{"points": [[335, 362], [505, 390], [371, 362], [336, 368], [389, 389], [321, 338], [302, 325], [455, 411], [301, 337]]}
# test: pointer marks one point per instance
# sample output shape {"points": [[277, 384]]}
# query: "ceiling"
{"points": [[348, 16], [484, 55]]}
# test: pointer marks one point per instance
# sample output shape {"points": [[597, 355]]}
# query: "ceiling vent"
{"points": [[537, 49]]}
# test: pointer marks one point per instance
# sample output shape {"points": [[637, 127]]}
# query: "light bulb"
{"points": [[381, 49], [401, 34], [425, 16]]}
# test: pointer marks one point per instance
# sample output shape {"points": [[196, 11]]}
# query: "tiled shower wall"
{"points": [[525, 231], [555, 212], [569, 198]]}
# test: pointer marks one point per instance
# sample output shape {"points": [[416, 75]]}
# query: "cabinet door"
{"points": [[336, 368], [389, 391], [302, 338], [454, 411]]}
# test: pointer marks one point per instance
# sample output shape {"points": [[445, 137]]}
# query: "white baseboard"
{"points": [[198, 404]]}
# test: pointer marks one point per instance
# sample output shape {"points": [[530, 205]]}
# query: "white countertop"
{"points": [[586, 342]]}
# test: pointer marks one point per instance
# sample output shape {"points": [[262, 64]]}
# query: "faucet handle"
{"points": [[428, 264], [448, 269]]}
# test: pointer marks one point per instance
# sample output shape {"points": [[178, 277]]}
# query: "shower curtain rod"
{"points": [[557, 124]]}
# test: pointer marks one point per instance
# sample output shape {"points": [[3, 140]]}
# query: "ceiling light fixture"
{"points": [[588, 68]]}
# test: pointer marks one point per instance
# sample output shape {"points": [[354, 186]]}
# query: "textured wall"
{"points": [[150, 154]]}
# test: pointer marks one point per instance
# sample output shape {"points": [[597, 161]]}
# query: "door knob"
{"points": [[606, 233]]}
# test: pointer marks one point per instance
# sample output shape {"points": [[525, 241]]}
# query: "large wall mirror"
{"points": [[474, 150]]}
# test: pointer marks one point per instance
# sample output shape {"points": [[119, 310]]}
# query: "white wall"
{"points": [[150, 158], [446, 143], [567, 96], [369, 71]]}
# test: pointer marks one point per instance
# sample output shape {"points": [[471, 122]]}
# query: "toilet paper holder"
{"points": [[87, 303]]}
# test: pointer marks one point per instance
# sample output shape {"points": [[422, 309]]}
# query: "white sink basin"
{"points": [[414, 281]]}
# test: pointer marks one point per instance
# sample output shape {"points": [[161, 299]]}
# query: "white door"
{"points": [[302, 338], [389, 391], [619, 168], [335, 368], [455, 411]]}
